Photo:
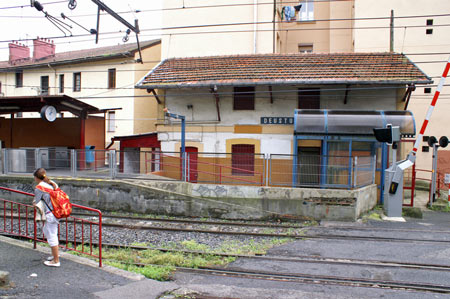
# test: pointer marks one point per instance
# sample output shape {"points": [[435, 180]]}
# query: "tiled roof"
{"points": [[125, 50], [351, 68]]}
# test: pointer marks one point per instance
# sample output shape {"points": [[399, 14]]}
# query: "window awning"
{"points": [[351, 122]]}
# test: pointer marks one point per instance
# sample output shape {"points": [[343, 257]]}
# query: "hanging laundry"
{"points": [[289, 12], [298, 7]]}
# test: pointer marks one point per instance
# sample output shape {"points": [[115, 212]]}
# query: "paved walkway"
{"points": [[76, 278]]}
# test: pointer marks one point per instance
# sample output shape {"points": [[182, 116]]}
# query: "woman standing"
{"points": [[51, 224]]}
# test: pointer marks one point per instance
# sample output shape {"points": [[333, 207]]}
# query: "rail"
{"points": [[16, 221]]}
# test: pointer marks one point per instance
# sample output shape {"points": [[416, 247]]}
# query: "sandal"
{"points": [[50, 264]]}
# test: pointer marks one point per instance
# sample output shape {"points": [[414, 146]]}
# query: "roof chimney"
{"points": [[43, 48], [18, 52]]}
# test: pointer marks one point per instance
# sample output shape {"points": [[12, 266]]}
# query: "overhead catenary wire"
{"points": [[225, 93], [262, 30]]}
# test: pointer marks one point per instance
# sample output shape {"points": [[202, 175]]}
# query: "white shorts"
{"points": [[51, 230]]}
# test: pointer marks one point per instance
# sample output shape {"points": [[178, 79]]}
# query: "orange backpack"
{"points": [[60, 201]]}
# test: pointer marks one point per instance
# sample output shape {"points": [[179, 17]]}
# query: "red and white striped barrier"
{"points": [[431, 108]]}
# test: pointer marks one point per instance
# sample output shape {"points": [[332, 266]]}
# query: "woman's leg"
{"points": [[55, 253]]}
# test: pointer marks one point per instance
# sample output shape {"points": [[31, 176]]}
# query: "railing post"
{"points": [[268, 170], [2, 153], [184, 163], [5, 158], [112, 164], [188, 168], [355, 172], [73, 162], [374, 169], [37, 160], [99, 239], [34, 228]]}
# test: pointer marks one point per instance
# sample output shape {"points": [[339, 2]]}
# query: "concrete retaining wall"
{"points": [[203, 200]]}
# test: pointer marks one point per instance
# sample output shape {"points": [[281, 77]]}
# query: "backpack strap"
{"points": [[46, 190]]}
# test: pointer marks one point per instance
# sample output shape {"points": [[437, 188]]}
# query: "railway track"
{"points": [[295, 259], [312, 278], [319, 279], [301, 234], [303, 259]]}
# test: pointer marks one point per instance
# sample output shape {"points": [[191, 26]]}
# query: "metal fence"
{"points": [[321, 171], [195, 167]]}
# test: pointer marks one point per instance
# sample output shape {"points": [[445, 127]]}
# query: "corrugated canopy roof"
{"points": [[284, 69], [117, 51], [62, 103]]}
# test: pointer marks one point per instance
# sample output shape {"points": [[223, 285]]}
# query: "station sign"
{"points": [[277, 120]]}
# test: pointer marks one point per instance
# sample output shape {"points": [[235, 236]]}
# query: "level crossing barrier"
{"points": [[75, 234]]}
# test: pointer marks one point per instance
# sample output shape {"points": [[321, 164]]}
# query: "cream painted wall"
{"points": [[216, 40], [318, 32], [146, 107], [94, 91], [202, 125], [412, 41]]}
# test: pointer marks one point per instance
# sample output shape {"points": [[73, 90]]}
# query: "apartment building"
{"points": [[102, 77]]}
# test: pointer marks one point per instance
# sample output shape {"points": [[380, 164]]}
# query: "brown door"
{"points": [[192, 156], [243, 159]]}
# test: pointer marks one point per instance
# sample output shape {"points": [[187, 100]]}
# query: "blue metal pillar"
{"points": [[350, 164], [295, 161]]}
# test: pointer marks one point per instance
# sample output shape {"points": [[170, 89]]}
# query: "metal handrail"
{"points": [[75, 220]]}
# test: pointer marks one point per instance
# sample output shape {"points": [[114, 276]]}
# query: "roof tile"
{"points": [[388, 68]]}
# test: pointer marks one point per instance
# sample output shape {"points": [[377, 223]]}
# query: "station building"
{"points": [[245, 104]]}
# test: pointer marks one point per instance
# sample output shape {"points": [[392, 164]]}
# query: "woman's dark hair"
{"points": [[41, 174]]}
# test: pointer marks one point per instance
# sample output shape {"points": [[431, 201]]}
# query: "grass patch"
{"points": [[251, 247], [159, 265], [161, 273], [440, 207], [412, 212]]}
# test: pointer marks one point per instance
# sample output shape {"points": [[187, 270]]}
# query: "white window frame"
{"points": [[307, 48], [111, 121], [306, 13]]}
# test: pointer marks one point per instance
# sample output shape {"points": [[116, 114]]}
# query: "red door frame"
{"points": [[192, 156]]}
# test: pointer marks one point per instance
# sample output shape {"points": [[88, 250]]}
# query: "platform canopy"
{"points": [[62, 103], [351, 122]]}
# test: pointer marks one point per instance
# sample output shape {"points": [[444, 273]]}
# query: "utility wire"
{"points": [[28, 5], [271, 30], [258, 91]]}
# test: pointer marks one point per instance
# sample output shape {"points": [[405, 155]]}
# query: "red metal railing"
{"points": [[16, 215], [410, 176], [413, 177], [220, 175]]}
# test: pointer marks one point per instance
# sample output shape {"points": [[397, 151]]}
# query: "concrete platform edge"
{"points": [[76, 259]]}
